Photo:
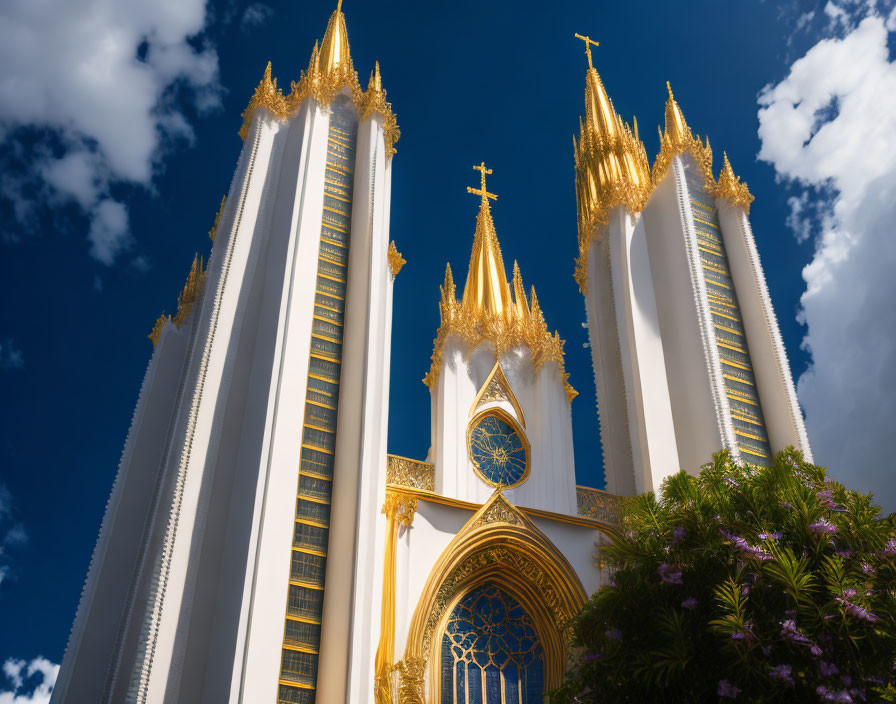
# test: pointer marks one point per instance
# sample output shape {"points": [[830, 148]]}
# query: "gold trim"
{"points": [[497, 388], [214, 230], [731, 188], [509, 419], [499, 544], [396, 261], [403, 471], [157, 328], [399, 509]]}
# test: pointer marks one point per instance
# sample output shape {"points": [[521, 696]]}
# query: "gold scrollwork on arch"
{"points": [[498, 545]]}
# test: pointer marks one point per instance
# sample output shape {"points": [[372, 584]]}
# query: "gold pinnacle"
{"points": [[338, 5], [482, 190], [588, 42]]}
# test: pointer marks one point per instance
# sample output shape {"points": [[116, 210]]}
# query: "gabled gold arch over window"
{"points": [[497, 388], [502, 546]]}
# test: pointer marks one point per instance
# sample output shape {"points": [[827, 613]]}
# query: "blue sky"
{"points": [[118, 137]]}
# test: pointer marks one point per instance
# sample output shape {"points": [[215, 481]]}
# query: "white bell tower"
{"points": [[235, 559]]}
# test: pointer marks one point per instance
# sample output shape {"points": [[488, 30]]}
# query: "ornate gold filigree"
{"points": [[402, 471], [496, 387], [499, 510], [410, 680], [487, 310], [400, 507], [396, 261], [611, 165], [375, 101], [157, 328], [594, 503], [267, 96], [192, 290], [678, 139], [214, 230], [731, 188], [330, 71]]}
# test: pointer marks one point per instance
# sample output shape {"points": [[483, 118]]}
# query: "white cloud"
{"points": [[99, 79], [11, 357], [257, 13], [829, 129], [109, 231], [32, 682]]}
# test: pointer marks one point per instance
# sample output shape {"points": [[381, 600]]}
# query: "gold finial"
{"points": [[669, 88], [482, 190], [588, 42], [335, 55], [731, 188], [339, 6], [396, 261]]}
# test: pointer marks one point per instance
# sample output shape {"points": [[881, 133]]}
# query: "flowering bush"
{"points": [[742, 584]]}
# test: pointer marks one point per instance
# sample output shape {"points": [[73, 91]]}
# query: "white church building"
{"points": [[260, 545]]}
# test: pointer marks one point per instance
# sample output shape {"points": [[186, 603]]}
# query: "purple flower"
{"points": [[630, 534], [827, 498], [843, 553], [591, 657], [678, 535], [615, 634], [689, 603], [669, 574], [727, 690], [730, 482], [823, 527], [859, 612], [890, 548], [868, 569], [782, 672], [790, 632], [777, 535], [613, 584], [849, 593], [826, 669], [815, 650], [737, 636]]}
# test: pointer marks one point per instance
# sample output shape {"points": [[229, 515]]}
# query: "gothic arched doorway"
{"points": [[491, 651]]}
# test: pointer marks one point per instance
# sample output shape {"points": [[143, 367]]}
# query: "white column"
{"points": [[783, 418], [654, 448], [603, 334]]}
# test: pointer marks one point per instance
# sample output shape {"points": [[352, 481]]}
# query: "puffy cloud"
{"points": [[257, 13], [11, 357], [90, 94], [829, 129], [32, 682]]}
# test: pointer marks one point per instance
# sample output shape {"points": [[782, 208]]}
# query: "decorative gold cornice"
{"points": [[597, 504], [396, 261], [731, 188], [403, 471], [678, 139], [330, 71], [192, 291], [400, 507], [611, 165], [487, 310], [157, 328], [214, 230]]}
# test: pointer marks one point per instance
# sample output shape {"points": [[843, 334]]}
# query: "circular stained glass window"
{"points": [[498, 449]]}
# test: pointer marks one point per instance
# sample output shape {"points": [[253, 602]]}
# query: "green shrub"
{"points": [[742, 584]]}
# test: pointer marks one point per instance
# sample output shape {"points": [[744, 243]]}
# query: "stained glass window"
{"points": [[491, 653], [498, 450]]}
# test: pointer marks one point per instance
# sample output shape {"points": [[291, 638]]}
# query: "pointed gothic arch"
{"points": [[499, 545]]}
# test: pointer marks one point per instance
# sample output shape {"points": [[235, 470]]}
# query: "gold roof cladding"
{"points": [[330, 70], [487, 310], [612, 167]]}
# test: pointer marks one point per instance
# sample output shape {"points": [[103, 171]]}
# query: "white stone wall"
{"points": [[542, 397]]}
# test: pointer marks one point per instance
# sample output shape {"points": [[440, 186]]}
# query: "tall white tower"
{"points": [[235, 559], [688, 358]]}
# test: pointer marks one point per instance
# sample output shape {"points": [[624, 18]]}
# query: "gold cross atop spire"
{"points": [[482, 191], [588, 42]]}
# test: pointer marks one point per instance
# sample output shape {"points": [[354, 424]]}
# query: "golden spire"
{"points": [[374, 100], [266, 95], [520, 305], [611, 164], [487, 311], [676, 128], [731, 187], [678, 139], [335, 55], [486, 291]]}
